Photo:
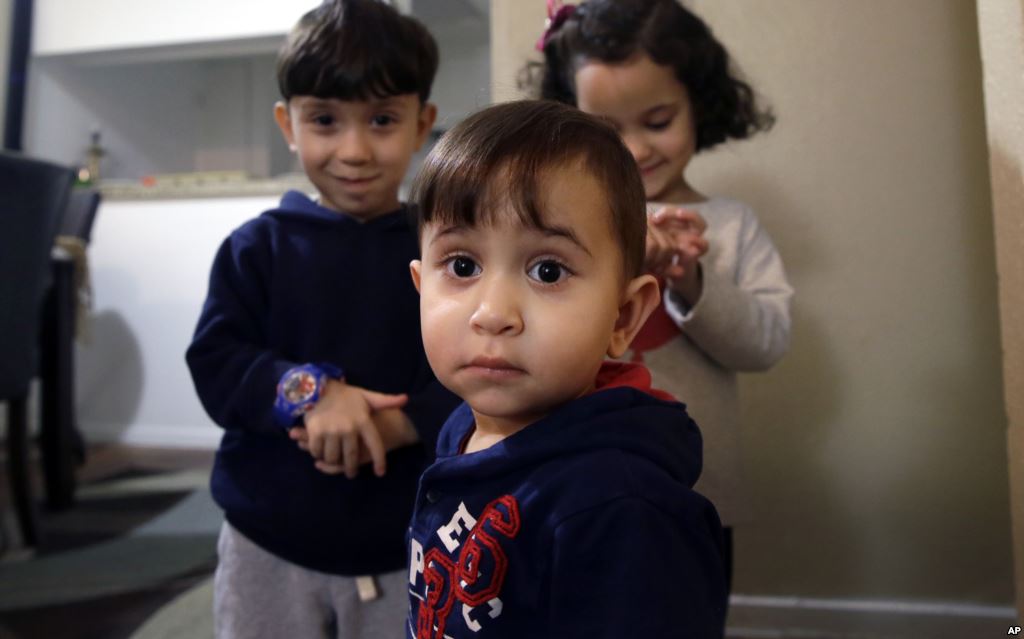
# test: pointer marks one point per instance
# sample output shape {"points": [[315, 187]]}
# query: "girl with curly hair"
{"points": [[655, 71]]}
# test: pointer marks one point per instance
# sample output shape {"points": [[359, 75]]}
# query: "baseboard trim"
{"points": [[763, 617], [882, 606], [197, 436]]}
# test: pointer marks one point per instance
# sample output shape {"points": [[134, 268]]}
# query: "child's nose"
{"points": [[497, 312], [354, 147], [637, 146]]}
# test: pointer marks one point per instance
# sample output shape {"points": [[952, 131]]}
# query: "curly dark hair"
{"points": [[354, 50], [613, 31]]}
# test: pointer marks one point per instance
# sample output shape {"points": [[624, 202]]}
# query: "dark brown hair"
{"points": [[502, 151], [613, 31], [355, 50]]}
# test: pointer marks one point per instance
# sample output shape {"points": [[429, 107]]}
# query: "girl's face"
{"points": [[651, 110]]}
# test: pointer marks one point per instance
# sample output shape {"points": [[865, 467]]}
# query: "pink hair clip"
{"points": [[558, 13]]}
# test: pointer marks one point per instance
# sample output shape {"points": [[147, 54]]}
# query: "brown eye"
{"points": [[548, 272], [463, 267]]}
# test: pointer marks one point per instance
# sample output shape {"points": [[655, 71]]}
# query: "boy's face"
{"points": [[356, 152], [517, 320]]}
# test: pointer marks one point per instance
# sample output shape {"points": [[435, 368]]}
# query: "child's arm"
{"points": [[417, 421], [341, 428], [234, 371], [742, 318], [354, 426], [628, 569]]}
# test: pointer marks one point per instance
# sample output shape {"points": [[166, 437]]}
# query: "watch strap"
{"points": [[299, 389]]}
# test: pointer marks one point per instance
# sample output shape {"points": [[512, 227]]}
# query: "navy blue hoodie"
{"points": [[583, 524], [300, 284]]}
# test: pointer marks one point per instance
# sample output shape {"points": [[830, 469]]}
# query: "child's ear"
{"points": [[638, 302], [414, 270], [283, 117], [425, 123]]}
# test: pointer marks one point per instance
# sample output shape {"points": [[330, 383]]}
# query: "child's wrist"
{"points": [[399, 428], [689, 287]]}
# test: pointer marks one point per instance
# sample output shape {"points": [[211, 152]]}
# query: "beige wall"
{"points": [[1001, 24], [876, 450], [515, 27]]}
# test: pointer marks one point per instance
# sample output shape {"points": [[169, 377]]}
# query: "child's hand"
{"points": [[341, 425], [661, 250], [680, 242], [395, 428]]}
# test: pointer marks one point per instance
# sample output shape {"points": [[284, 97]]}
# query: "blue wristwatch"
{"points": [[299, 389]]}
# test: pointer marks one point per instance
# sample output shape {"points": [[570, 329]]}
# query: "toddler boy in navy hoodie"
{"points": [[308, 350], [561, 501]]}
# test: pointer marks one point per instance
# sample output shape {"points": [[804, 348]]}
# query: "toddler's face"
{"points": [[356, 152], [652, 112], [517, 320]]}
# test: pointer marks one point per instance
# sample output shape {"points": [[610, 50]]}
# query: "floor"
{"points": [[97, 518], [94, 519]]}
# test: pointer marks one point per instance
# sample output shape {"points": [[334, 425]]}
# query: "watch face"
{"points": [[299, 387]]}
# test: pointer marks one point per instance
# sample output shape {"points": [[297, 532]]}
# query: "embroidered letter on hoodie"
{"points": [[473, 571]]}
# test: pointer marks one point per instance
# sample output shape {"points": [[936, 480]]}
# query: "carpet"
{"points": [[129, 546], [189, 615]]}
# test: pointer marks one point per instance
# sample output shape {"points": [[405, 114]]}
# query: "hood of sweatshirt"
{"points": [[583, 523], [624, 413], [298, 207]]}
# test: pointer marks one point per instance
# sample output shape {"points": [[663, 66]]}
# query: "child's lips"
{"points": [[493, 368], [647, 170], [357, 182]]}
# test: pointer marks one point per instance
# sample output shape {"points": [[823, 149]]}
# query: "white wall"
{"points": [[150, 259], [462, 31], [62, 27], [156, 117], [463, 80], [150, 264], [202, 106]]}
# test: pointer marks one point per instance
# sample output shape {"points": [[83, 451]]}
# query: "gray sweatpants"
{"points": [[258, 595]]}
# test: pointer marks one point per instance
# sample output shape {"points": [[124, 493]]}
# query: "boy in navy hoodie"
{"points": [[561, 501], [308, 350]]}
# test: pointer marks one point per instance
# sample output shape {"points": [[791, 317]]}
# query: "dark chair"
{"points": [[81, 213], [61, 440], [33, 198]]}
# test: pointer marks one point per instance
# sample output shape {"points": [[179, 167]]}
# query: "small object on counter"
{"points": [[90, 173]]}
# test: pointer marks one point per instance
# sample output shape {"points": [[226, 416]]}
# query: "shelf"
{"points": [[170, 93], [73, 28], [212, 184]]}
